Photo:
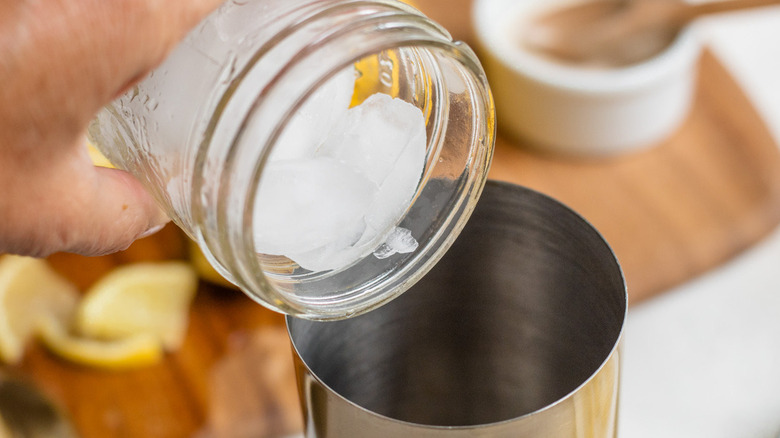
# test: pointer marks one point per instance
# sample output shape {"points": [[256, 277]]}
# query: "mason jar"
{"points": [[203, 129]]}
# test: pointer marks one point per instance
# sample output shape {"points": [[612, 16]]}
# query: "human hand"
{"points": [[60, 62]]}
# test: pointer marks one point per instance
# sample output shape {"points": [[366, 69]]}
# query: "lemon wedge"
{"points": [[29, 291], [140, 349], [151, 298], [204, 268], [98, 159]]}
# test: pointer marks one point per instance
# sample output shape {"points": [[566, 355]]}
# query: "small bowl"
{"points": [[577, 110]]}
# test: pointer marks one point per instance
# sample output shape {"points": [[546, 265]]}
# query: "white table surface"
{"points": [[703, 360]]}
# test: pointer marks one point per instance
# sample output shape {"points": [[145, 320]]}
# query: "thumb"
{"points": [[76, 208], [113, 215]]}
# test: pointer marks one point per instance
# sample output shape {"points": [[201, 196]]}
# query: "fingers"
{"points": [[138, 34], [111, 213], [75, 207], [63, 60]]}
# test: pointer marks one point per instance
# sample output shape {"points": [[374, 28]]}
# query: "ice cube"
{"points": [[399, 241], [373, 136], [338, 254], [327, 208], [311, 124], [383, 138], [306, 204], [398, 188]]}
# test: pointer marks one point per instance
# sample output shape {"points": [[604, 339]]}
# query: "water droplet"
{"points": [[229, 72], [150, 103]]}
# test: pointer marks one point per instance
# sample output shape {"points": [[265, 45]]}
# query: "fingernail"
{"points": [[151, 231]]}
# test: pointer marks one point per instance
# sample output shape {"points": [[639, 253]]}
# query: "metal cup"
{"points": [[514, 333]]}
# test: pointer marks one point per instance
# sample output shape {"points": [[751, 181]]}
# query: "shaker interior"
{"points": [[523, 309]]}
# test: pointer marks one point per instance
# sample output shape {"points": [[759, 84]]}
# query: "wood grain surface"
{"points": [[233, 377], [679, 208], [671, 213]]}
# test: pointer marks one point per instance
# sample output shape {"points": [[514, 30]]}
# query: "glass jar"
{"points": [[201, 130]]}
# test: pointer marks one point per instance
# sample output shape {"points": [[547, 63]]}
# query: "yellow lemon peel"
{"points": [[98, 159], [152, 298], [204, 269], [137, 350], [30, 290]]}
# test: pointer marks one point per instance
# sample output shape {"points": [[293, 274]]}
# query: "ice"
{"points": [[375, 135], [337, 254], [399, 241], [313, 121], [328, 206], [306, 204], [383, 138], [396, 191]]}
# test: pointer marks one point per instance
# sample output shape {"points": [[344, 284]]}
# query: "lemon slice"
{"points": [[29, 291], [204, 268], [140, 349], [146, 298], [98, 159]]}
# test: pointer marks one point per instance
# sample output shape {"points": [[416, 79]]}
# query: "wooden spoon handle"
{"points": [[713, 7]]}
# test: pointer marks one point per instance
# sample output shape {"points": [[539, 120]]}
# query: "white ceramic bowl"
{"points": [[576, 110]]}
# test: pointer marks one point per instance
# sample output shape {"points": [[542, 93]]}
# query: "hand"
{"points": [[60, 62]]}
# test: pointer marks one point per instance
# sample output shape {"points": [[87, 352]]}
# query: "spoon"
{"points": [[26, 412], [614, 33]]}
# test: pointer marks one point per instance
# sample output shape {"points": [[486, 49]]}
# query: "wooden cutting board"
{"points": [[671, 213], [680, 208], [232, 378]]}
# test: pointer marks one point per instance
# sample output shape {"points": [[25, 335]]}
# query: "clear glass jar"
{"points": [[200, 129]]}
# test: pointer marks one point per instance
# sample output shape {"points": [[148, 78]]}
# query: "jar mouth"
{"points": [[417, 63]]}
